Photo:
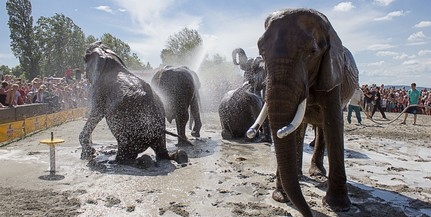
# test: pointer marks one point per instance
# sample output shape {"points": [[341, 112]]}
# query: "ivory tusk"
{"points": [[251, 133], [297, 120]]}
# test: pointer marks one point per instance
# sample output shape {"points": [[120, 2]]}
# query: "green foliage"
{"points": [[181, 48], [22, 36], [62, 43], [122, 49]]}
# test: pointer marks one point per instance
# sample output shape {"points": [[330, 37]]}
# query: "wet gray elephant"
{"points": [[133, 112], [310, 75], [179, 90], [238, 110], [254, 70], [254, 75]]}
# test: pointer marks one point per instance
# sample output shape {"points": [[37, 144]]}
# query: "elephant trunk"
{"points": [[285, 92], [242, 58]]}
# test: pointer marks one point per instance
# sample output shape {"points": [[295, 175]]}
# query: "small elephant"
{"points": [[239, 109], [310, 75], [133, 112], [254, 70], [178, 88]]}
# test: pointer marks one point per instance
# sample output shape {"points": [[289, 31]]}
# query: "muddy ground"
{"points": [[388, 169]]}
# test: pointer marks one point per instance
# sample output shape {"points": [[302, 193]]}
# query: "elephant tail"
{"points": [[173, 134]]}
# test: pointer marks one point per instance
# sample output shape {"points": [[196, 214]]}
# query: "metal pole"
{"points": [[52, 156], [52, 160]]}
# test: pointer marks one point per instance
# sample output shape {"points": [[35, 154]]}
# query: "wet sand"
{"points": [[388, 169]]}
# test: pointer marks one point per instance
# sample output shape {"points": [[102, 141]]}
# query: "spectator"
{"points": [[413, 101], [428, 105], [14, 96], [41, 95], [368, 98], [355, 105], [3, 93], [378, 103], [68, 75]]}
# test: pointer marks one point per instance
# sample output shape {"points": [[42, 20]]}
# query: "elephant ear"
{"points": [[331, 65]]}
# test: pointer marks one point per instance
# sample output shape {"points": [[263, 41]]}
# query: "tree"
{"points": [[22, 36], [181, 48], [122, 49], [62, 43]]}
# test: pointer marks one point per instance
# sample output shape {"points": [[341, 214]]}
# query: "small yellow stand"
{"points": [[52, 143]]}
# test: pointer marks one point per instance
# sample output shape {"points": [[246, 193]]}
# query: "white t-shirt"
{"points": [[357, 97]]}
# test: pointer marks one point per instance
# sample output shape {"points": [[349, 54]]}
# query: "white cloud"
{"points": [[380, 47], [379, 63], [383, 2], [344, 6], [410, 62], [104, 8], [403, 56], [122, 10], [423, 24], [391, 15], [417, 37], [386, 53], [424, 52]]}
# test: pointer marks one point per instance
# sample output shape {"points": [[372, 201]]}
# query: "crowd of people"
{"points": [[60, 93], [373, 98]]}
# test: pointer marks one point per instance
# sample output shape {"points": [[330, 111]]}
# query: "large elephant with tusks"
{"points": [[310, 75], [133, 111], [179, 89]]}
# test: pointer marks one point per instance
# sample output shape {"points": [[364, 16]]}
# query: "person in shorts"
{"points": [[413, 102]]}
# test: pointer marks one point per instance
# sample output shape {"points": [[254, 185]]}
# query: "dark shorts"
{"points": [[412, 110]]}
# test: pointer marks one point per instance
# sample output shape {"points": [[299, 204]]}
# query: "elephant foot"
{"points": [[196, 134], [180, 157], [338, 203], [280, 196], [88, 153], [144, 162], [316, 170], [226, 135]]}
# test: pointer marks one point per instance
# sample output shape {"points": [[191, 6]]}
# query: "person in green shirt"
{"points": [[413, 101]]}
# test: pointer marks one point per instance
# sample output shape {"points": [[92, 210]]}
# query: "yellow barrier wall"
{"points": [[19, 129]]}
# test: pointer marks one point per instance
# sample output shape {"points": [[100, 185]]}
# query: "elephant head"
{"points": [[254, 70], [96, 58], [304, 59]]}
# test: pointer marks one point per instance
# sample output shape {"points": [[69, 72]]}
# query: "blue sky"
{"points": [[390, 39]]}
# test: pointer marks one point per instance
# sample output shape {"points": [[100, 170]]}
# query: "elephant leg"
{"points": [[279, 194], [266, 131], [181, 122], [317, 168], [336, 195], [127, 153], [159, 147], [195, 115], [312, 143]]}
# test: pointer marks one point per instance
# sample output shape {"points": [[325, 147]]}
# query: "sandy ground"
{"points": [[388, 168]]}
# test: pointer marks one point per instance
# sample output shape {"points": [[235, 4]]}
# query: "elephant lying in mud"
{"points": [[133, 112], [179, 91], [310, 75], [238, 110]]}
